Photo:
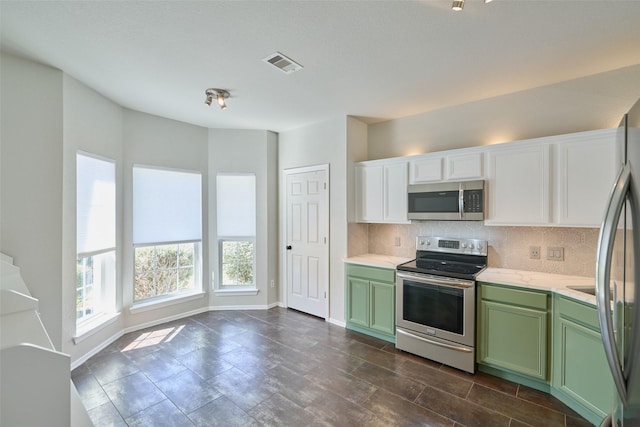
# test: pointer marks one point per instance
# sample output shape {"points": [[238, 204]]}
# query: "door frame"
{"points": [[284, 290]]}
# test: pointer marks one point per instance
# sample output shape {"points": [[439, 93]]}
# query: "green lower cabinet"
{"points": [[513, 334], [382, 317], [581, 376], [370, 301], [357, 301]]}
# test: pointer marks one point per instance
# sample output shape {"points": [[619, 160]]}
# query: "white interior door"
{"points": [[307, 239]]}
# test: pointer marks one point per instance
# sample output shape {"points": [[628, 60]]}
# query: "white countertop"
{"points": [[557, 283], [376, 260]]}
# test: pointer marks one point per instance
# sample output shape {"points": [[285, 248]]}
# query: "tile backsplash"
{"points": [[508, 246]]}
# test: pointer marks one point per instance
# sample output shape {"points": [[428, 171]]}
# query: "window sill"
{"points": [[93, 326], [165, 302], [236, 292]]}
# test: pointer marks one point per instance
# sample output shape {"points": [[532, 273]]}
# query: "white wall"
{"points": [[92, 123], [248, 151], [156, 141], [46, 117], [31, 181], [594, 102], [322, 143]]}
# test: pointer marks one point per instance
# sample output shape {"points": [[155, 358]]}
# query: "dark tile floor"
{"points": [[283, 368]]}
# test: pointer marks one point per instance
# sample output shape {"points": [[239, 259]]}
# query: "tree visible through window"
{"points": [[236, 228], [167, 232], [166, 269], [237, 263]]}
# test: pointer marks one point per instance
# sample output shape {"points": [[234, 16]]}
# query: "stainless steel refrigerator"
{"points": [[616, 283]]}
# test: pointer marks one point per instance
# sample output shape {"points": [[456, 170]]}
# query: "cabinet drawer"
{"points": [[372, 273], [578, 312], [521, 297]]}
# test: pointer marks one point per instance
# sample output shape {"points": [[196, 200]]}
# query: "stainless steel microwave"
{"points": [[448, 201]]}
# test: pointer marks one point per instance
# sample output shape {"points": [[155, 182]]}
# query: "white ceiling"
{"points": [[378, 60]]}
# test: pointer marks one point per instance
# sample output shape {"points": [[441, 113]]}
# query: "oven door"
{"points": [[436, 306]]}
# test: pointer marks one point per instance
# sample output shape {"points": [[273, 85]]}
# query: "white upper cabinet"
{"points": [[465, 164], [562, 180], [369, 184], [382, 192], [586, 168], [518, 185], [426, 169]]}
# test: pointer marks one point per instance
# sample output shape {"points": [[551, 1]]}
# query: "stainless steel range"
{"points": [[436, 299]]}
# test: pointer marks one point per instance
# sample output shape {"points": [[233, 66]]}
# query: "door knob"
{"points": [[289, 248]]}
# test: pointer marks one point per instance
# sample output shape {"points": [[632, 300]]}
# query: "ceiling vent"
{"points": [[281, 62]]}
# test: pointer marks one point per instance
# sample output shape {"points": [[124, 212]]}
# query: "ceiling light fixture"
{"points": [[219, 94], [458, 5]]}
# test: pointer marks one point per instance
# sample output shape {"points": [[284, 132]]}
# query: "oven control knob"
{"points": [[479, 246], [471, 246], [421, 242], [464, 246]]}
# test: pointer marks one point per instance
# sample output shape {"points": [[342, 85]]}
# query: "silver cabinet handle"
{"points": [[461, 200], [603, 276]]}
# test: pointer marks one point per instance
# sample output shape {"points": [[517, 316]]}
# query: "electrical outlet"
{"points": [[273, 283], [555, 253], [397, 241], [534, 252]]}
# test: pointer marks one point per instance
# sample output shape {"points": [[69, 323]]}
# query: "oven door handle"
{"points": [[435, 280], [439, 344]]}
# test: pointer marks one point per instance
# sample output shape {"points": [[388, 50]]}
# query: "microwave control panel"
{"points": [[473, 201]]}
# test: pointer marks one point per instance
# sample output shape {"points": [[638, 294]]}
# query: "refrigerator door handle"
{"points": [[603, 275]]}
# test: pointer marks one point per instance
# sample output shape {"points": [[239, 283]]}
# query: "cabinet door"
{"points": [[464, 166], [513, 338], [426, 170], [580, 367], [518, 187], [586, 171], [370, 190], [358, 301], [395, 192], [382, 316]]}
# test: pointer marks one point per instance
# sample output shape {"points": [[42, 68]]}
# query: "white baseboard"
{"points": [[135, 328], [130, 329], [337, 322], [96, 350]]}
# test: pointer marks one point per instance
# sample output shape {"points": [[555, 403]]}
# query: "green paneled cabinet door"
{"points": [[513, 331], [382, 308], [370, 301], [581, 376], [358, 301]]}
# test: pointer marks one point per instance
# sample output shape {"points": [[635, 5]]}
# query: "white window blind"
{"points": [[167, 205], [236, 203], [95, 205]]}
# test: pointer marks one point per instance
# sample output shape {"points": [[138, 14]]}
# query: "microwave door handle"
{"points": [[461, 200], [606, 240]]}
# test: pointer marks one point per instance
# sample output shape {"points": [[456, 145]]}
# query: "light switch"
{"points": [[555, 253]]}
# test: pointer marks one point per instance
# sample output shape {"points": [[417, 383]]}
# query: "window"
{"points": [[95, 237], [236, 225], [167, 232], [165, 269]]}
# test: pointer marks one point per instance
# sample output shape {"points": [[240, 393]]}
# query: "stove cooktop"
{"points": [[459, 258], [438, 267]]}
